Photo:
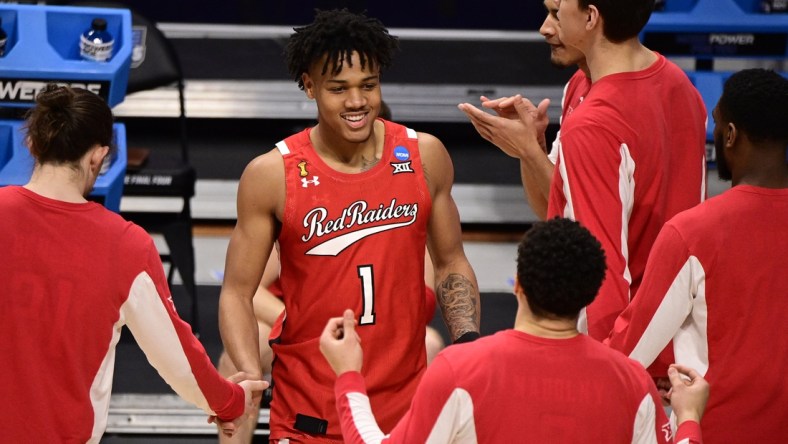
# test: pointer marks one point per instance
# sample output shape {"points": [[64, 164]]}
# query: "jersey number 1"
{"points": [[367, 295]]}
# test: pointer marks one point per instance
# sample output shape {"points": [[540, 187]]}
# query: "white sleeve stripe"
{"points": [[644, 431], [101, 388], [691, 341], [626, 189], [569, 210], [363, 418], [703, 181], [563, 104], [411, 133], [553, 155], [686, 291], [684, 441], [455, 423], [152, 327], [282, 147]]}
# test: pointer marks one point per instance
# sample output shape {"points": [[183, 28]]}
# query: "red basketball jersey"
{"points": [[351, 241]]}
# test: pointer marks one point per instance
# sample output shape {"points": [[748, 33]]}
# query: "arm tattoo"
{"points": [[459, 302]]}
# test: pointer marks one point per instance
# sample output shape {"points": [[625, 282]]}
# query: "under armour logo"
{"points": [[401, 167], [305, 183]]}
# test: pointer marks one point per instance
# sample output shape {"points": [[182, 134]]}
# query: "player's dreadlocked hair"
{"points": [[756, 101], [560, 266], [338, 33]]}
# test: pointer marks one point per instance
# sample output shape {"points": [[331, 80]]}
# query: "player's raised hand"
{"points": [[503, 106], [341, 345], [540, 118], [520, 134]]}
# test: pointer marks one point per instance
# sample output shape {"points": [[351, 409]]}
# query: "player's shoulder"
{"points": [[707, 215], [673, 77], [264, 166], [596, 116], [131, 241], [617, 362], [429, 141], [475, 351], [670, 67], [435, 158], [596, 348]]}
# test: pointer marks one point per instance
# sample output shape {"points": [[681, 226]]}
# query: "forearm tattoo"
{"points": [[459, 302]]}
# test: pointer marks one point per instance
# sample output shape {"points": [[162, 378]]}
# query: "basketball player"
{"points": [[74, 274], [515, 137], [633, 155], [716, 284], [268, 308], [542, 381], [352, 202]]}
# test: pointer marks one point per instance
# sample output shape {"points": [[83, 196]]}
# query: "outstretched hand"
{"points": [[688, 394], [513, 107], [518, 129], [341, 345], [253, 393]]}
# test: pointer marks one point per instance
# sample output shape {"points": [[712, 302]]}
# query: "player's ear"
{"points": [[593, 19], [309, 85], [731, 134], [518, 289], [97, 156]]}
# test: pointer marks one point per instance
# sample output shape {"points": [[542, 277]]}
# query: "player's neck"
{"points": [[606, 58], [348, 156], [59, 183], [773, 175], [550, 328], [761, 166]]}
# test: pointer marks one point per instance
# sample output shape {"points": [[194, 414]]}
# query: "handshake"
{"points": [[253, 393]]}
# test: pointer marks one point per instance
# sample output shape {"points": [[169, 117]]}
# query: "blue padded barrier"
{"points": [[43, 46], [16, 163]]}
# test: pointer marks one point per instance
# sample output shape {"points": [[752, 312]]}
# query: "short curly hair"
{"points": [[756, 101], [338, 33], [560, 266]]}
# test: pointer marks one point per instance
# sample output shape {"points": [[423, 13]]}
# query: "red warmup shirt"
{"points": [[631, 157], [351, 241], [72, 275], [514, 387], [716, 285]]}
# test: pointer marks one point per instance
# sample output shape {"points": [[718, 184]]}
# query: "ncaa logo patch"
{"points": [[401, 153]]}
